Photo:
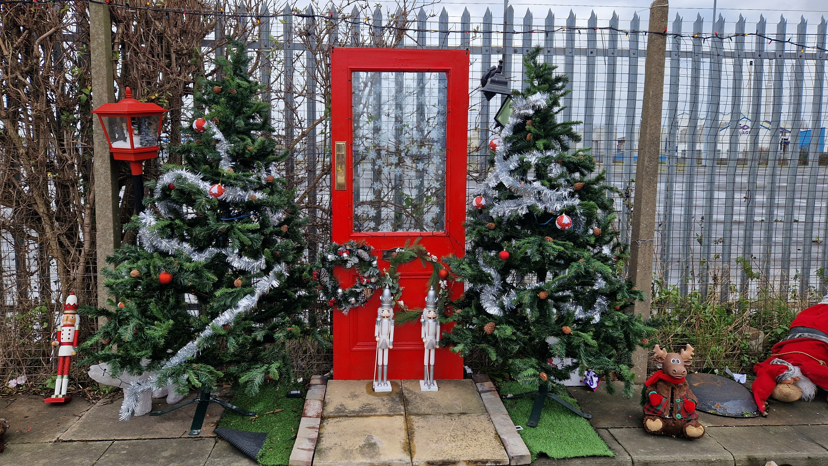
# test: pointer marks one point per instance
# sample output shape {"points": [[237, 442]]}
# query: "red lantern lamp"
{"points": [[132, 129]]}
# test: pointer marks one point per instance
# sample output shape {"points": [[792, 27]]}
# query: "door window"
{"points": [[399, 151]]}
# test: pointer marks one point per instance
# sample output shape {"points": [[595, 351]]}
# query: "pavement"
{"points": [[405, 427], [408, 427]]}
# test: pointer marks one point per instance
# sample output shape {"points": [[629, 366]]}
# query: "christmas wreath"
{"points": [[359, 256]]}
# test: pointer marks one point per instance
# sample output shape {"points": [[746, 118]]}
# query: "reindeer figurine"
{"points": [[669, 404]]}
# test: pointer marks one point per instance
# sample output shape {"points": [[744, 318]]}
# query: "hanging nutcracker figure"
{"points": [[67, 344], [430, 333], [384, 334]]}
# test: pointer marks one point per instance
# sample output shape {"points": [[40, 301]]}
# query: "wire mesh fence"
{"points": [[742, 201]]}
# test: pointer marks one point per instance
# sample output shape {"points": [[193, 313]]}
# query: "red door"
{"points": [[399, 129]]}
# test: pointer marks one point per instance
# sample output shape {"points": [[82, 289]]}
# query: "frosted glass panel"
{"points": [[399, 151]]}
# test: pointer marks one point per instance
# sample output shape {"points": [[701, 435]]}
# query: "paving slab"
{"points": [[53, 454], [357, 398], [646, 449], [758, 445], [225, 454], [363, 440], [454, 439], [33, 421], [819, 434], [622, 458], [169, 452], [101, 422], [607, 410], [453, 397]]}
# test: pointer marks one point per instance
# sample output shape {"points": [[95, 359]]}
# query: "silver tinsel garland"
{"points": [[231, 193], [152, 242], [191, 349], [492, 298], [533, 193]]}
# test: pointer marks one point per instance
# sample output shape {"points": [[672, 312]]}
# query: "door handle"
{"points": [[339, 166]]}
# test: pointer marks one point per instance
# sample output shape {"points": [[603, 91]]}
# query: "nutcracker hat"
{"points": [[386, 301], [71, 303], [431, 302]]}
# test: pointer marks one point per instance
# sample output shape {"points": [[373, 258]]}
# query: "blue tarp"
{"points": [[805, 140]]}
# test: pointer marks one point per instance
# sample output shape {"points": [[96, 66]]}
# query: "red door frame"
{"points": [[352, 348]]}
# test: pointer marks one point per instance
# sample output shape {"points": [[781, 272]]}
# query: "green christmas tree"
{"points": [[222, 232], [544, 266]]}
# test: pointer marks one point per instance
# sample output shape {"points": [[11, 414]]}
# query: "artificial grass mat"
{"points": [[276, 415], [559, 434]]}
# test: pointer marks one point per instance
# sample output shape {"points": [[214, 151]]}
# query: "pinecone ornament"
{"points": [[566, 329], [489, 328], [543, 376], [579, 185]]}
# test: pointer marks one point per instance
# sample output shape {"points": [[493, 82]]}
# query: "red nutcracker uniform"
{"points": [[67, 343]]}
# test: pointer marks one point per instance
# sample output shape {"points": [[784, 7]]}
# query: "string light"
{"points": [[327, 15]]}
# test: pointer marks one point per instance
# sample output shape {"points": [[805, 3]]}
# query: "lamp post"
{"points": [[132, 129]]}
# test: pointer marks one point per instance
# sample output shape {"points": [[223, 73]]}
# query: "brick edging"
{"points": [[512, 442], [308, 433]]}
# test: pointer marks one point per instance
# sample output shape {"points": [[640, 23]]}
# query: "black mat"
{"points": [[248, 443], [722, 396]]}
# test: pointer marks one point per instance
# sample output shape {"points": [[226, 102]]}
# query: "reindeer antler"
{"points": [[659, 353], [687, 353]]}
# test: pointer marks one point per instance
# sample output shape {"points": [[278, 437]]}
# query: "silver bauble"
{"points": [[339, 291]]}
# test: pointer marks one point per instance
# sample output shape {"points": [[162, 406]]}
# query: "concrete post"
{"points": [[646, 186], [107, 220]]}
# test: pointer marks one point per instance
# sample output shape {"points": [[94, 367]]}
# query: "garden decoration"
{"points": [[799, 363], [669, 404], [430, 332], [222, 232], [103, 374], [384, 333], [359, 258], [544, 267], [132, 129], [67, 344]]}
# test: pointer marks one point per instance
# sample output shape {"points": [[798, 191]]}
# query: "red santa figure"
{"points": [[67, 344]]}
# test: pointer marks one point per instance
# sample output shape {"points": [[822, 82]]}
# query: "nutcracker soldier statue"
{"points": [[430, 333], [384, 334], [67, 343]]}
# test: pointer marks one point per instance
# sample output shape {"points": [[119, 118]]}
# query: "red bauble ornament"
{"points": [[443, 274], [171, 186], [199, 125], [493, 144], [165, 278], [479, 202], [563, 222], [216, 191], [504, 255]]}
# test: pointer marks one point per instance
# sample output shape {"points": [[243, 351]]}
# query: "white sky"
{"points": [[811, 10]]}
